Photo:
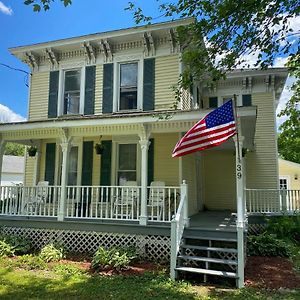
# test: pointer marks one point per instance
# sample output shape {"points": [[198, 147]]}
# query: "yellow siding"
{"points": [[29, 170], [98, 89], [219, 180], [166, 168], [262, 165], [289, 169], [189, 174], [166, 76], [39, 90]]}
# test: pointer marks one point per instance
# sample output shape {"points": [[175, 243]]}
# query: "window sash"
{"points": [[72, 86]]}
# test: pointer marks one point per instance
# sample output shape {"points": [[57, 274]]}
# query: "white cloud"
{"points": [[5, 9], [8, 116], [285, 96], [280, 61]]}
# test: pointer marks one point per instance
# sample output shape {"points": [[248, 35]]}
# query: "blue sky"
{"points": [[23, 27]]}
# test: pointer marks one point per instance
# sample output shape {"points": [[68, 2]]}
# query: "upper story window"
{"points": [[247, 100], [128, 86], [71, 100]]}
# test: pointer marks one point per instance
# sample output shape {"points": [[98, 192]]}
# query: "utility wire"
{"points": [[19, 70]]}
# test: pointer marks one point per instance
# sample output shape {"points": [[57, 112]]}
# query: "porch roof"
{"points": [[120, 124]]}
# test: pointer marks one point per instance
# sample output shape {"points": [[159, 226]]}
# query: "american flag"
{"points": [[214, 129]]}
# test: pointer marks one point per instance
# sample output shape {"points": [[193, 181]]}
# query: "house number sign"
{"points": [[239, 171]]}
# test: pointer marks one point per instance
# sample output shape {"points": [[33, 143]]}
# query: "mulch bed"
{"points": [[271, 273]]}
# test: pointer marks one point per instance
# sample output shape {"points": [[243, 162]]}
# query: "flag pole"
{"points": [[237, 126]]}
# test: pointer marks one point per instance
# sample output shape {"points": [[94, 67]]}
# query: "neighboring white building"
{"points": [[12, 170]]}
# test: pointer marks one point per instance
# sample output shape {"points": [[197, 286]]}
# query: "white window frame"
{"points": [[116, 95], [61, 89], [288, 181]]}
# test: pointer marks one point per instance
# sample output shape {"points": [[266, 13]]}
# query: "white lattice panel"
{"points": [[149, 247]]}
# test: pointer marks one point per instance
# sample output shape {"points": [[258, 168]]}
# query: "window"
{"points": [[213, 102], [128, 86], [247, 100], [72, 92], [283, 183], [73, 162], [127, 163]]}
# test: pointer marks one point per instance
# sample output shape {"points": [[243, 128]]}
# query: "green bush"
{"points": [[114, 258], [285, 227], [21, 245], [52, 252], [30, 262], [267, 245], [6, 249]]}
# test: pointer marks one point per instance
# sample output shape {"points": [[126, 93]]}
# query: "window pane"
{"points": [[247, 100], [72, 92], [128, 99], [127, 157], [72, 172], [213, 102], [123, 177], [71, 103], [72, 80], [128, 73]]}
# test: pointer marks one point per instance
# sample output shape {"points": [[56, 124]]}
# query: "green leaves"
{"points": [[38, 5]]}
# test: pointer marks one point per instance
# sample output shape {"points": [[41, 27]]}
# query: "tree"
{"points": [[44, 4], [289, 137], [14, 149]]}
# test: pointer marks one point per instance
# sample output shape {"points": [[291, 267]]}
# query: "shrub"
{"points": [[6, 249], [285, 227], [114, 258], [68, 270], [21, 245], [30, 262], [52, 252], [267, 245]]}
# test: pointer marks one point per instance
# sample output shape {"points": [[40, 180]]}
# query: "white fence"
{"points": [[92, 202], [272, 200]]}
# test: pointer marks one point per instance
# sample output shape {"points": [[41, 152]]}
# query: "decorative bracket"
{"points": [[31, 59], [144, 132], [90, 52], [52, 57], [64, 135], [149, 47], [106, 49], [174, 45]]}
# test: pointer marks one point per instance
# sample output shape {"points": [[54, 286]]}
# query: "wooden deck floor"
{"points": [[213, 220]]}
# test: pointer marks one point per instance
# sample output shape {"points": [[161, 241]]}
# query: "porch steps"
{"points": [[208, 252], [207, 272]]}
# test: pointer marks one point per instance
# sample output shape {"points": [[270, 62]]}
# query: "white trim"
{"points": [[288, 181]]}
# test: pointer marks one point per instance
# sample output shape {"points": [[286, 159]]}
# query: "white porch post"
{"points": [[37, 159], [144, 143], [65, 147], [184, 193], [2, 147], [240, 209]]}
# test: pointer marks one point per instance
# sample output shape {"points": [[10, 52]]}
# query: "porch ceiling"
{"points": [[119, 124]]}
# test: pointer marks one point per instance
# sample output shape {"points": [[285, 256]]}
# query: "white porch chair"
{"points": [[156, 200], [125, 203], [37, 198]]}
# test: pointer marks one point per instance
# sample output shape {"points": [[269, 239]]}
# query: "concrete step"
{"points": [[207, 272], [209, 259], [187, 246]]}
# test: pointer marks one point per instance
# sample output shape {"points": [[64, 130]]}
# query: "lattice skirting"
{"points": [[255, 229], [148, 247]]}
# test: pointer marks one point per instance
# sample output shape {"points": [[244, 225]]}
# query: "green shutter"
{"points": [[213, 102], [149, 84], [50, 163], [247, 100], [108, 80], [151, 162], [53, 94], [87, 163], [89, 94], [105, 172]]}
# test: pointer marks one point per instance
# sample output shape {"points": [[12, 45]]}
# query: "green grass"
{"points": [[67, 282]]}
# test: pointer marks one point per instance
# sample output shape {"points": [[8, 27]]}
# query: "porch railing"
{"points": [[29, 201], [272, 200], [93, 202]]}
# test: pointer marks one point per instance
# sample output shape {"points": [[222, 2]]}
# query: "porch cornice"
{"points": [[121, 124]]}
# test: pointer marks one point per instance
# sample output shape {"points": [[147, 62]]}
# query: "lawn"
{"points": [[65, 281]]}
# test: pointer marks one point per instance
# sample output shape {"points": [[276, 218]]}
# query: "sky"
{"points": [[21, 26]]}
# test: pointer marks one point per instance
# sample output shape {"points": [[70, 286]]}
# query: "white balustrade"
{"points": [[272, 200], [39, 201]]}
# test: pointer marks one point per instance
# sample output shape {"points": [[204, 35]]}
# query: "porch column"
{"points": [[144, 180], [65, 147], [240, 209], [37, 160], [2, 147]]}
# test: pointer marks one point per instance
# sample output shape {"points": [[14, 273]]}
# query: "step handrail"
{"points": [[178, 223]]}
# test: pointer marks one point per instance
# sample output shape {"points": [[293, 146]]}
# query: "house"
{"points": [[114, 90], [12, 170], [289, 173]]}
